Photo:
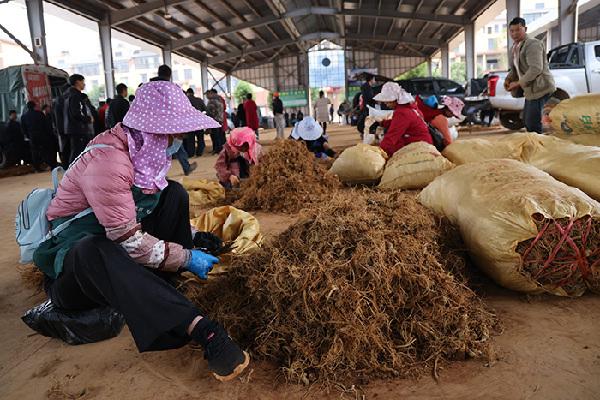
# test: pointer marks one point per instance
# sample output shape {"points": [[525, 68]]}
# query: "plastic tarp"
{"points": [[12, 91], [360, 164], [414, 167], [493, 203]]}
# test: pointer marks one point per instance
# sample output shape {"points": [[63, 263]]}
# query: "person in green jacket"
{"points": [[529, 72]]}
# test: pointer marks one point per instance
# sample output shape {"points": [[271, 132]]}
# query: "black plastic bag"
{"points": [[74, 327], [209, 243]]}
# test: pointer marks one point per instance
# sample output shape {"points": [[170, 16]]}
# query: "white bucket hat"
{"points": [[307, 129], [391, 91]]}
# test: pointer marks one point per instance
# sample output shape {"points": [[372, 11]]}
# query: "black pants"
{"points": [[532, 113], [98, 272], [77, 144], [324, 125], [218, 139], [200, 143], [189, 144], [43, 152]]}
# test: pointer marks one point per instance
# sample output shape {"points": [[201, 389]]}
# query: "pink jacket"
{"points": [[227, 164], [102, 179]]}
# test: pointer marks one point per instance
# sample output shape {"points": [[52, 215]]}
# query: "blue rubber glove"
{"points": [[201, 263]]}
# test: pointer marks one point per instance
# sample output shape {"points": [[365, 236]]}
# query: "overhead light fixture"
{"points": [[167, 15]]}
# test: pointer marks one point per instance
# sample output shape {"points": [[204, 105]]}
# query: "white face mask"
{"points": [[173, 148]]}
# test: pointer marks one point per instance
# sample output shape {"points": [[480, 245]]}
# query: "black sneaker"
{"points": [[225, 358], [193, 166]]}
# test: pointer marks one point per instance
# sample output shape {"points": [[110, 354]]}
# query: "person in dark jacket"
{"points": [[35, 128], [118, 107], [198, 136], [12, 139], [241, 117], [51, 128], [76, 118], [214, 109], [92, 112], [164, 74], [366, 91], [278, 115], [58, 108]]}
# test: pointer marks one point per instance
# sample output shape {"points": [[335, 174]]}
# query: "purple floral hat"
{"points": [[160, 107]]}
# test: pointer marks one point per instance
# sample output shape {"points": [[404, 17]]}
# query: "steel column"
{"points": [[513, 10], [568, 15], [276, 79], [37, 30], [229, 92], [470, 56], [107, 58], [445, 56], [429, 67], [166, 54], [204, 76]]}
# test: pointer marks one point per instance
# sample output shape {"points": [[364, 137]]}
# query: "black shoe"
{"points": [[193, 166], [225, 358]]}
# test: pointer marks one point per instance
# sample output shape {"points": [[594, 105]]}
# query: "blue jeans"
{"points": [[532, 113], [182, 157]]}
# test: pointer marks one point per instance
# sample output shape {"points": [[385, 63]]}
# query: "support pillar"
{"points": [[445, 56], [429, 67], [276, 79], [204, 76], [470, 57], [513, 10], [307, 83], [107, 58], [229, 92], [37, 30], [166, 54], [568, 15]]}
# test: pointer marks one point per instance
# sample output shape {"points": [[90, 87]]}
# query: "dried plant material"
{"points": [[565, 254], [367, 284], [287, 179], [32, 277]]}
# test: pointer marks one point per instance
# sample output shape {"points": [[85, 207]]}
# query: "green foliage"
{"points": [[241, 90], [96, 93], [458, 71]]}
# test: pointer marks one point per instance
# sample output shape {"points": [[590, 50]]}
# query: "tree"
{"points": [[241, 90], [95, 94], [417, 72], [458, 71]]}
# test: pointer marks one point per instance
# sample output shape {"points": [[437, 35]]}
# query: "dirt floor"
{"points": [[550, 348]]}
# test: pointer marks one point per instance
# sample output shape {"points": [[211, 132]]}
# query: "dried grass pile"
{"points": [[287, 179], [32, 277], [364, 285]]}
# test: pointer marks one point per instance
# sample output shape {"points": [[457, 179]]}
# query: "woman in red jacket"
{"points": [[251, 113], [407, 124]]}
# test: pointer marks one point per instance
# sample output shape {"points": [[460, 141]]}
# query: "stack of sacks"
{"points": [[360, 164], [576, 165], [414, 167], [578, 119]]}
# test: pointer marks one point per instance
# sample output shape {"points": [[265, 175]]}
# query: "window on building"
{"points": [[539, 6], [144, 77], [491, 44], [121, 65], [497, 28], [489, 30], [175, 76], [187, 74]]}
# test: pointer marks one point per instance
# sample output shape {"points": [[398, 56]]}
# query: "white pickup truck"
{"points": [[576, 70]]}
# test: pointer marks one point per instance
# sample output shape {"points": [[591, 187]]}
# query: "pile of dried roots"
{"points": [[565, 254], [362, 286], [287, 179]]}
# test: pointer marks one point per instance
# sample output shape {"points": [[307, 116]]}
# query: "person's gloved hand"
{"points": [[201, 263]]}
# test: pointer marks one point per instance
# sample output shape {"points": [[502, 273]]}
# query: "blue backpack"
{"points": [[32, 226]]}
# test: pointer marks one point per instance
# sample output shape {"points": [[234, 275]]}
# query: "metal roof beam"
{"points": [[399, 40], [126, 14], [385, 13]]}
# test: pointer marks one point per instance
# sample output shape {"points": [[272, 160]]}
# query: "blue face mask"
{"points": [[431, 101], [174, 147]]}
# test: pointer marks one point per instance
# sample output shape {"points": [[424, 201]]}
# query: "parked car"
{"points": [[576, 71], [433, 86]]}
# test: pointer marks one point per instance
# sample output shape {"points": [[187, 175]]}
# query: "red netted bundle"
{"points": [[564, 254]]}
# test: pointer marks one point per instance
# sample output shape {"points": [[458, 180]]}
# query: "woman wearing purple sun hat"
{"points": [[137, 231]]}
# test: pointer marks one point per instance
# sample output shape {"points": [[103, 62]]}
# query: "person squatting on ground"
{"points": [[407, 124], [437, 114], [138, 230], [309, 131], [238, 154]]}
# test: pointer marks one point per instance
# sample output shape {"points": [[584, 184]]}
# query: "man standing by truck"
{"points": [[529, 72]]}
